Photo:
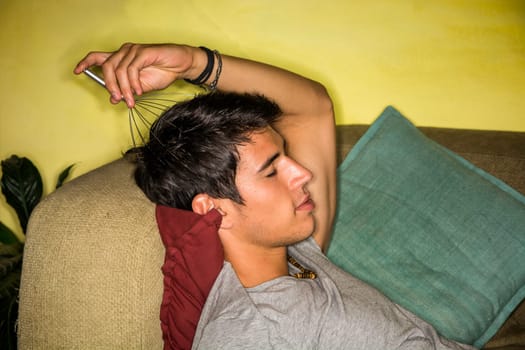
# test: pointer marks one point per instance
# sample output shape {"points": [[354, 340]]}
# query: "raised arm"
{"points": [[307, 123]]}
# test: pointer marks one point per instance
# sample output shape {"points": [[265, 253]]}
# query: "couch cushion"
{"points": [[433, 232], [500, 153], [91, 277]]}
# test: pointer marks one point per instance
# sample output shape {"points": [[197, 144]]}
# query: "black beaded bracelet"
{"points": [[201, 79]]}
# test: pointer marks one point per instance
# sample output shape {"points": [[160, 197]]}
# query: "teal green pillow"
{"points": [[434, 233]]}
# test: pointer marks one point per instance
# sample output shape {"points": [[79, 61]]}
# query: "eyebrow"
{"points": [[270, 160]]}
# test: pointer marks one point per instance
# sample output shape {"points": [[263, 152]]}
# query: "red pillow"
{"points": [[194, 258]]}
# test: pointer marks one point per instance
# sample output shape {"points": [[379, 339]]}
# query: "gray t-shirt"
{"points": [[334, 311]]}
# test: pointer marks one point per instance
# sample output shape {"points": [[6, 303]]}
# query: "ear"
{"points": [[202, 203]]}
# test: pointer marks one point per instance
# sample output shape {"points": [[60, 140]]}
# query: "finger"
{"points": [[140, 60], [123, 78], [91, 59], [155, 67], [109, 68], [143, 71], [133, 72]]}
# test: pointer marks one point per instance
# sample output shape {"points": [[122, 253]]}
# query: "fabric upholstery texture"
{"points": [[500, 153], [91, 277], [431, 231]]}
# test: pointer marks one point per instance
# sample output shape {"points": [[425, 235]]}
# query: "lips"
{"points": [[306, 205]]}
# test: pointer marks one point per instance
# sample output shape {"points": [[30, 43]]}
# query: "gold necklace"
{"points": [[305, 273]]}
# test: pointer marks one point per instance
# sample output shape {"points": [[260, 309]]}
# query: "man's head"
{"points": [[193, 147]]}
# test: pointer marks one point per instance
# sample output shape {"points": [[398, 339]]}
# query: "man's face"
{"points": [[277, 209]]}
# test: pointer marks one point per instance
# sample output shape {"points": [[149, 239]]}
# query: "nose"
{"points": [[298, 175]]}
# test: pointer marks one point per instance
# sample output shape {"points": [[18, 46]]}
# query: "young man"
{"points": [[262, 153]]}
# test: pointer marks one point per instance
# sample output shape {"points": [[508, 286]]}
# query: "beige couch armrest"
{"points": [[91, 277]]}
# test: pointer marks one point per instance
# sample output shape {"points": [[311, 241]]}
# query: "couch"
{"points": [[92, 277]]}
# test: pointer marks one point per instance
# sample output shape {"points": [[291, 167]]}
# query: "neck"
{"points": [[255, 265]]}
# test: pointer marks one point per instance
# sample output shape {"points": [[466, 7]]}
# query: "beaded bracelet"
{"points": [[213, 85]]}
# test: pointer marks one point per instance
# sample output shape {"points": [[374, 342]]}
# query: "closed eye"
{"points": [[272, 174]]}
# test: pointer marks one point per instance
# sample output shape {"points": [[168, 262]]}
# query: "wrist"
{"points": [[211, 72], [201, 67]]}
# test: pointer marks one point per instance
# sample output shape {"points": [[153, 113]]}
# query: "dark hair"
{"points": [[192, 147]]}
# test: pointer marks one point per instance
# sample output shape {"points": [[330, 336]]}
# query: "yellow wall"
{"points": [[443, 63]]}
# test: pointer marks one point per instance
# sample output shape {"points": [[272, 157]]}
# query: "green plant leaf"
{"points": [[10, 260], [10, 271], [64, 175], [9, 315], [7, 236], [21, 186], [11, 280]]}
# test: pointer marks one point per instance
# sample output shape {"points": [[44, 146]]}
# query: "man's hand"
{"points": [[135, 69]]}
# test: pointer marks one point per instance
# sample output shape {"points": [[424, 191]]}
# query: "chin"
{"points": [[306, 233]]}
